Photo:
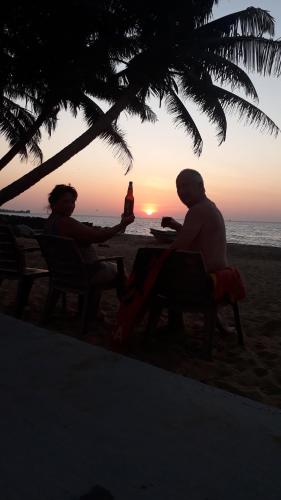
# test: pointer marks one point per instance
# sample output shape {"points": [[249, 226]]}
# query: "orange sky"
{"points": [[243, 176]]}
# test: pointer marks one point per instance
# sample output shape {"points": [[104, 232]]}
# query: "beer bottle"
{"points": [[129, 201]]}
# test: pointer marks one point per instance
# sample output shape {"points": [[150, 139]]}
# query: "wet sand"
{"points": [[253, 371]]}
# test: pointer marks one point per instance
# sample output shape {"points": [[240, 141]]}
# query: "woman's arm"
{"points": [[81, 233]]}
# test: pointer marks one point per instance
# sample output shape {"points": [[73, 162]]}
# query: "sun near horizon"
{"points": [[149, 209]]}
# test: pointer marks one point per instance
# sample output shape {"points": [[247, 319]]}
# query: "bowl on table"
{"points": [[163, 236]]}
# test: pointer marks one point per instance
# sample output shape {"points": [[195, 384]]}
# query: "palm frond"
{"points": [[16, 121], [73, 108], [182, 118], [254, 53], [31, 149], [203, 94], [141, 109], [48, 108], [248, 22], [116, 139], [9, 130], [112, 134], [226, 72], [51, 122], [202, 11], [247, 111]]}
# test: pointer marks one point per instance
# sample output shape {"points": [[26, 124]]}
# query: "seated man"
{"points": [[203, 229]]}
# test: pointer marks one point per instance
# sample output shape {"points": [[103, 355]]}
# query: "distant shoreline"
{"points": [[10, 211]]}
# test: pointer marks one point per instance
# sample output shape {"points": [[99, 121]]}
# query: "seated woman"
{"points": [[62, 201]]}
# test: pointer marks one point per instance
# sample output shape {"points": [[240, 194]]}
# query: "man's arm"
{"points": [[189, 231], [171, 223]]}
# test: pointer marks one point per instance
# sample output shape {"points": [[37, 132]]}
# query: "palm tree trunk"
{"points": [[25, 138], [26, 181]]}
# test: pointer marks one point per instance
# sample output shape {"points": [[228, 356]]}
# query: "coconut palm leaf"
{"points": [[116, 139], [34, 150], [138, 107], [255, 53], [202, 93], [201, 11], [251, 114], [112, 134], [14, 122], [17, 114], [182, 118], [248, 22], [223, 72]]}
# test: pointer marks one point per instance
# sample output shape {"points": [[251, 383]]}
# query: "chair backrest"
{"points": [[65, 263], [183, 278], [12, 261]]}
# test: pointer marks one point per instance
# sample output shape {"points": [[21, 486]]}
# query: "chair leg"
{"points": [[90, 304], [238, 323], [63, 301], [153, 317], [52, 298], [24, 287], [219, 324], [210, 325], [80, 304], [175, 320]]}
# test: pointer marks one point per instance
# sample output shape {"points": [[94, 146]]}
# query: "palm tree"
{"points": [[178, 57], [47, 75]]}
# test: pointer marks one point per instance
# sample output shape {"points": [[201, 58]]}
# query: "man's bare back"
{"points": [[204, 231]]}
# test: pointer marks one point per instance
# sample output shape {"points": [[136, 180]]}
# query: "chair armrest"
{"points": [[113, 257], [27, 249], [31, 249], [119, 261], [95, 263]]}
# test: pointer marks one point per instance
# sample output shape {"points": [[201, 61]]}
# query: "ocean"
{"points": [[245, 232]]}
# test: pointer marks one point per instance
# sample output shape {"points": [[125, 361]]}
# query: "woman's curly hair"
{"points": [[58, 191]]}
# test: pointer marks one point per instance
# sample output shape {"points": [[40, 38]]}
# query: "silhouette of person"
{"points": [[62, 201], [203, 229]]}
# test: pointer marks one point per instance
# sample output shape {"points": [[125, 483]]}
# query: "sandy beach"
{"points": [[253, 371]]}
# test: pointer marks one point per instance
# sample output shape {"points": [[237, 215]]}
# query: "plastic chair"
{"points": [[13, 267], [69, 273], [185, 286]]}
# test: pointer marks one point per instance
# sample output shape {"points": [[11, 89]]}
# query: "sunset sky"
{"points": [[243, 175]]}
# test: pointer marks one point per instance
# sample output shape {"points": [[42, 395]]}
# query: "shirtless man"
{"points": [[203, 229]]}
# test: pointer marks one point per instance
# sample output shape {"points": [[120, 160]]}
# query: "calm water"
{"points": [[248, 233]]}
